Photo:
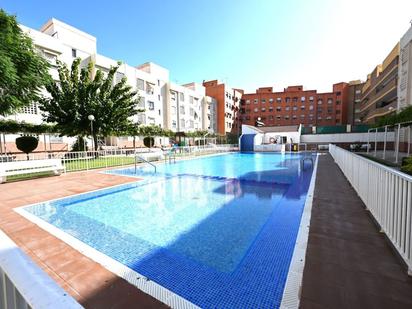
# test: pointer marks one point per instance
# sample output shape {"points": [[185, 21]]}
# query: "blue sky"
{"points": [[246, 43]]}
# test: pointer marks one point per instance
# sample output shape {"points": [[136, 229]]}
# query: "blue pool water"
{"points": [[219, 231]]}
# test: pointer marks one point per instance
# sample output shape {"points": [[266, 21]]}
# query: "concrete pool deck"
{"points": [[88, 282], [349, 264]]}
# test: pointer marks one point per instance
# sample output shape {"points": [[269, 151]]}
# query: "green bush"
{"points": [[148, 141], [27, 144], [407, 165]]}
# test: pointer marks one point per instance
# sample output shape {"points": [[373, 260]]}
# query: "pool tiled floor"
{"points": [[88, 282], [349, 264]]}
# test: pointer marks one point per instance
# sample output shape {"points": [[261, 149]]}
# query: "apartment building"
{"points": [[354, 100], [186, 110], [379, 93], [57, 40], [210, 114], [227, 106], [294, 106], [405, 71]]}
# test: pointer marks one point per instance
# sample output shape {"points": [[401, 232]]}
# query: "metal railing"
{"points": [[87, 160], [144, 160], [386, 193]]}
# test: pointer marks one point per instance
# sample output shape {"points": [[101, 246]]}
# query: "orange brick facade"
{"points": [[296, 106], [228, 106]]}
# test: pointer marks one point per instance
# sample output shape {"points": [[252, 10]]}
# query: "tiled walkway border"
{"points": [[291, 293]]}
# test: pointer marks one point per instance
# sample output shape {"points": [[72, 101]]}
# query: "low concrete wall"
{"points": [[345, 138]]}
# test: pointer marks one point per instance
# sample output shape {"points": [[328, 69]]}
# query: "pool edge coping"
{"points": [[292, 290]]}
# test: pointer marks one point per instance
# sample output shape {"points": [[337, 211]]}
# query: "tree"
{"points": [[23, 71], [27, 144], [80, 93]]}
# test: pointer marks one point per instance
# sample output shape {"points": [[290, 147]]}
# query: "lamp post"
{"points": [[91, 118]]}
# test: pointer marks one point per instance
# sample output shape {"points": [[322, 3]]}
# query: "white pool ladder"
{"points": [[136, 156]]}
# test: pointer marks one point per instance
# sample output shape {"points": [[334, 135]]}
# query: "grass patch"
{"points": [[378, 160], [94, 163]]}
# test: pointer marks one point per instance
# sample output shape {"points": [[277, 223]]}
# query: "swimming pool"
{"points": [[218, 231]]}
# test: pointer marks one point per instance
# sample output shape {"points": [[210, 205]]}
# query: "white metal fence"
{"points": [[386, 193], [87, 160]]}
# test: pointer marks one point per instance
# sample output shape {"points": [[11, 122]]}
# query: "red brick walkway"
{"points": [[88, 282]]}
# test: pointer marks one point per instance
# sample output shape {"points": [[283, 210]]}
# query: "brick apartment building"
{"points": [[228, 106], [379, 93], [296, 106]]}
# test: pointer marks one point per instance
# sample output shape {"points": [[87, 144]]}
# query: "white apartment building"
{"points": [[210, 114], [186, 107], [57, 40], [405, 71]]}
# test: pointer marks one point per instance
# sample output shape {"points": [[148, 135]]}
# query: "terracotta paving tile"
{"points": [[88, 282]]}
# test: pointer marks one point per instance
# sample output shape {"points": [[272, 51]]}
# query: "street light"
{"points": [[91, 118]]}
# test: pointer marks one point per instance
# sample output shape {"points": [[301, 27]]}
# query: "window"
{"points": [[181, 96], [173, 96], [311, 107], [158, 82], [150, 105], [287, 100], [302, 116], [337, 112], [74, 53], [263, 101], [302, 99], [287, 117], [271, 117], [311, 98], [302, 107], [329, 118], [140, 84], [337, 102], [295, 99], [255, 101], [278, 109], [270, 109], [320, 102], [295, 108], [287, 108], [278, 117], [255, 109], [173, 109], [151, 120], [358, 91], [294, 116], [119, 77], [330, 101], [30, 109], [271, 100], [182, 123], [142, 102], [330, 110], [263, 109], [174, 124], [247, 101], [191, 124], [191, 112], [338, 93], [182, 110], [279, 100], [190, 99]]}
